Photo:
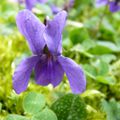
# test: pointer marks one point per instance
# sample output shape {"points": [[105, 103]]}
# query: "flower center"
{"points": [[117, 2], [47, 52]]}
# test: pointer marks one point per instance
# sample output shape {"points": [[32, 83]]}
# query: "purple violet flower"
{"points": [[55, 9], [66, 6], [113, 4], [31, 3], [45, 42]]}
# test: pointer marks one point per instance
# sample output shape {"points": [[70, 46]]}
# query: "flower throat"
{"points": [[117, 2], [47, 52]]}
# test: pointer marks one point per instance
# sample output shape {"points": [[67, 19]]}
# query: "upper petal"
{"points": [[74, 73], [53, 32], [54, 9], [48, 71], [22, 74], [30, 26], [30, 4]]}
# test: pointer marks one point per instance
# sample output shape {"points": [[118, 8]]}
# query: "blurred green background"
{"points": [[91, 38]]}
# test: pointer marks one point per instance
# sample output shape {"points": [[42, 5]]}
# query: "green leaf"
{"points": [[16, 117], [102, 68], [70, 107], [90, 71], [106, 80], [108, 27], [104, 47], [112, 109], [78, 35], [87, 44], [46, 114], [33, 102], [108, 57], [99, 50], [109, 45]]}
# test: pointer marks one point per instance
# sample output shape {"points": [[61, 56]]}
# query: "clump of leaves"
{"points": [[68, 107], [35, 108]]}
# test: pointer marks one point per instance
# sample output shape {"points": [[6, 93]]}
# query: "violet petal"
{"points": [[30, 26], [53, 32], [55, 9], [74, 73], [30, 4], [22, 74], [48, 71], [114, 7]]}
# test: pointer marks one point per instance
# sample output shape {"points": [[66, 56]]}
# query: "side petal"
{"points": [[53, 32], [32, 29], [74, 73], [22, 74], [48, 71]]}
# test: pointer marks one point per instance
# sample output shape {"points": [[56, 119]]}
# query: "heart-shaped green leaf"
{"points": [[70, 107], [33, 102]]}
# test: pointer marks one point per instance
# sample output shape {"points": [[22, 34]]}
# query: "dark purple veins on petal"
{"points": [[48, 70]]}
